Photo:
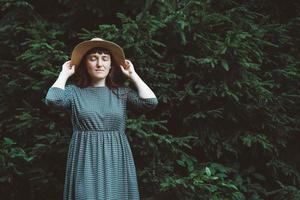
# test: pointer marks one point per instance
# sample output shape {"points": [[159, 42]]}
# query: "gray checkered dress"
{"points": [[100, 164]]}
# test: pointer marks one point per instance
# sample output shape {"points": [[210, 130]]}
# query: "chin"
{"points": [[100, 77]]}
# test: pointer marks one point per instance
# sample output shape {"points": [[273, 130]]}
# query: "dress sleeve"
{"points": [[135, 102], [58, 97]]}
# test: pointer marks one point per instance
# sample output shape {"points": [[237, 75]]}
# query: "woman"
{"points": [[100, 164]]}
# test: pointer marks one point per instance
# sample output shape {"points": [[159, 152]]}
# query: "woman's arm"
{"points": [[59, 94], [143, 89], [66, 72], [145, 98], [61, 81]]}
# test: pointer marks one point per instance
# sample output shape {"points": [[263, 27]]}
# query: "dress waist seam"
{"points": [[99, 130]]}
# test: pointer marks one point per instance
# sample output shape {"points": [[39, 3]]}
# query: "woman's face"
{"points": [[98, 65]]}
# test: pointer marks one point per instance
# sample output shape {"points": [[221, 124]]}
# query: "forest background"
{"points": [[226, 74]]}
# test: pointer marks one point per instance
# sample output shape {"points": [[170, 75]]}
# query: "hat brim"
{"points": [[82, 48]]}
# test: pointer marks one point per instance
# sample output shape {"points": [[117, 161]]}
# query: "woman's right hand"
{"points": [[67, 69]]}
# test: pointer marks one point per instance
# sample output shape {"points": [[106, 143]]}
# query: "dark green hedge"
{"points": [[226, 74]]}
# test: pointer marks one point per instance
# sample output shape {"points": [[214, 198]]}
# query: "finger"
{"points": [[122, 68], [128, 64]]}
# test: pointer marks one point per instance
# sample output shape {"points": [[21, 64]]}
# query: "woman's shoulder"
{"points": [[70, 87], [121, 91], [125, 89], [121, 88]]}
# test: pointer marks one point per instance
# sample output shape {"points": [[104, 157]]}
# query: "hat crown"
{"points": [[97, 39]]}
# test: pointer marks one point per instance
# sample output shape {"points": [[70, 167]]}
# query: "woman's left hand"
{"points": [[128, 69]]}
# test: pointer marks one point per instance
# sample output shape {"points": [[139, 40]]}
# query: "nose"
{"points": [[99, 64]]}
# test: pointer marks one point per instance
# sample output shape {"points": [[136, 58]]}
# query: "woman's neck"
{"points": [[98, 83]]}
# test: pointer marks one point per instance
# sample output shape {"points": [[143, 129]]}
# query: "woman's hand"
{"points": [[128, 69], [67, 69]]}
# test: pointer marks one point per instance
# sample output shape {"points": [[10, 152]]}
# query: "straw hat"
{"points": [[82, 48]]}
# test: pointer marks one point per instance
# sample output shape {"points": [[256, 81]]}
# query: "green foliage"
{"points": [[13, 162], [207, 182], [226, 75], [11, 158]]}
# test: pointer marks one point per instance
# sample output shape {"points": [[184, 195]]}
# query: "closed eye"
{"points": [[105, 58], [94, 57]]}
